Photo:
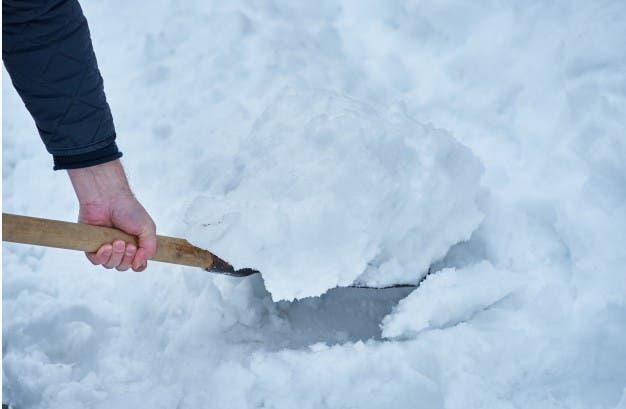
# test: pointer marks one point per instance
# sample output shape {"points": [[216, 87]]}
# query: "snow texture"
{"points": [[449, 297], [327, 143], [325, 190]]}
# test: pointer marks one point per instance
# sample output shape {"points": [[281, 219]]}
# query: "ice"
{"points": [[328, 143]]}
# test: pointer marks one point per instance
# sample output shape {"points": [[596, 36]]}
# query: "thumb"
{"points": [[148, 240]]}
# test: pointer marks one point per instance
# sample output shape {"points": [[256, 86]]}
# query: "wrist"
{"points": [[102, 155], [97, 185]]}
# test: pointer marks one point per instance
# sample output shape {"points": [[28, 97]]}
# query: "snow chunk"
{"points": [[448, 297], [328, 190]]}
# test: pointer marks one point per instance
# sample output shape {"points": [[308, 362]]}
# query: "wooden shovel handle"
{"points": [[85, 237]]}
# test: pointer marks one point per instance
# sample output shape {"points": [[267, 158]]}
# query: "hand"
{"points": [[105, 199]]}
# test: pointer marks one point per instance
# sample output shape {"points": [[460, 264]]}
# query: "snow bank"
{"points": [[327, 190], [536, 91]]}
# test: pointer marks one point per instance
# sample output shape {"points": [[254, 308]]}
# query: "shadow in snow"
{"points": [[345, 314], [338, 316]]}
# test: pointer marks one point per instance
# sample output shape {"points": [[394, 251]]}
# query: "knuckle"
{"points": [[112, 264]]}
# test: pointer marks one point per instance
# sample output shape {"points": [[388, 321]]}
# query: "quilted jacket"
{"points": [[47, 51]]}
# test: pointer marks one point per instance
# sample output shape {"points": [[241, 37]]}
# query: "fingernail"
{"points": [[129, 252], [118, 246], [106, 251]]}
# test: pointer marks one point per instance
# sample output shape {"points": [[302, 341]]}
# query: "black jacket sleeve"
{"points": [[47, 51]]}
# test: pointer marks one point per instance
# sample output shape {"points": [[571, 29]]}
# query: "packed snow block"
{"points": [[327, 191], [449, 297]]}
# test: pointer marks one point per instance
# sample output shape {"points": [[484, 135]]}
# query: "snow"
{"points": [[328, 143], [449, 297], [340, 193]]}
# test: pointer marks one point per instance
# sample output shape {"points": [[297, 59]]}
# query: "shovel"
{"points": [[89, 238], [85, 237]]}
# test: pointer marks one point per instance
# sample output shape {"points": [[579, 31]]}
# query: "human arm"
{"points": [[47, 51]]}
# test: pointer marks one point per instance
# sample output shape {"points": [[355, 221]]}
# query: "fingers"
{"points": [[102, 255], [147, 246], [117, 255], [140, 262], [121, 256], [127, 260]]}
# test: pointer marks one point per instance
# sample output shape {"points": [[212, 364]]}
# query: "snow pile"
{"points": [[447, 298], [230, 141], [326, 190]]}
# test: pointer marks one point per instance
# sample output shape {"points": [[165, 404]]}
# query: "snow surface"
{"points": [[325, 191], [327, 143], [449, 297]]}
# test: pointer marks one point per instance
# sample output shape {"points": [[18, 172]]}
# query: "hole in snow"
{"points": [[340, 315]]}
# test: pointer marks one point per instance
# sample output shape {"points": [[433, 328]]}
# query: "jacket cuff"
{"points": [[84, 160]]}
